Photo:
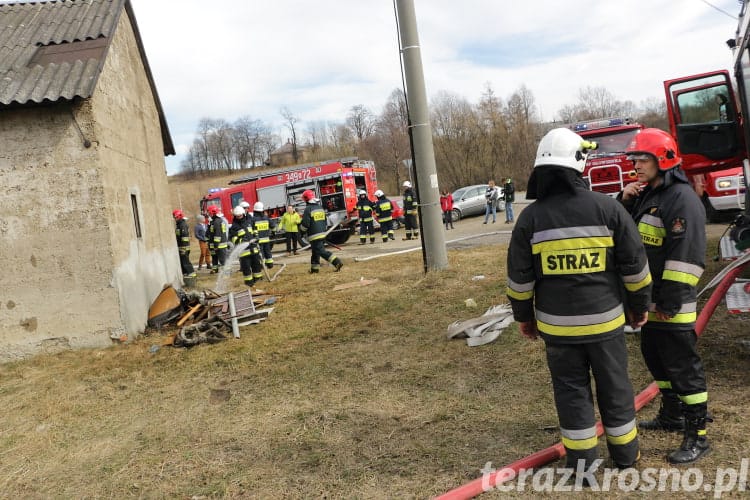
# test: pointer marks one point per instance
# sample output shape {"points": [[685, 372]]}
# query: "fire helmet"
{"points": [[361, 192], [308, 195], [177, 214], [379, 193], [656, 143], [406, 184], [244, 204], [563, 148], [238, 211], [213, 210], [258, 207]]}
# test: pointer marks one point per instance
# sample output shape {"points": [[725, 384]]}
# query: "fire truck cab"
{"points": [[705, 121], [607, 168], [335, 183]]}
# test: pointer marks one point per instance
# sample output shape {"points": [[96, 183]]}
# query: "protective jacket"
{"points": [[263, 226], [410, 202], [217, 234], [591, 247], [314, 221], [364, 209], [182, 232], [671, 221], [384, 209]]}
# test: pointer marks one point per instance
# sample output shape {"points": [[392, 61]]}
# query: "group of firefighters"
{"points": [[582, 265], [382, 207]]}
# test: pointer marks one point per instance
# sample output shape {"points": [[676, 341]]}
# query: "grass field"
{"points": [[348, 394]]}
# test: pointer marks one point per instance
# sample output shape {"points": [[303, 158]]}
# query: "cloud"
{"points": [[231, 58]]}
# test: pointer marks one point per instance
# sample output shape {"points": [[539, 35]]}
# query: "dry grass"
{"points": [[350, 394]]}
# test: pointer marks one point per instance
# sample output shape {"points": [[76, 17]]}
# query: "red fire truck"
{"points": [[335, 183]]}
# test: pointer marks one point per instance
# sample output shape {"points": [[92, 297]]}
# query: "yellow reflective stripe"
{"points": [[678, 318], [571, 331], [624, 439], [519, 295], [680, 277], [580, 444], [634, 287], [664, 384], [572, 244], [701, 432], [694, 399]]}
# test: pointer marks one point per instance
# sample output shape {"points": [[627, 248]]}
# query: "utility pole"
{"points": [[425, 173]]}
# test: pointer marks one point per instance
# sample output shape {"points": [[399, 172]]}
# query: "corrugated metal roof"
{"points": [[55, 50]]}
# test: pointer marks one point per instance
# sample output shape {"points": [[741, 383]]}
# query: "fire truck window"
{"points": [[236, 199], [705, 105]]}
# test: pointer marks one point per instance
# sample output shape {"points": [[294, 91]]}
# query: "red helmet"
{"points": [[212, 210], [177, 214], [308, 194], [658, 144]]}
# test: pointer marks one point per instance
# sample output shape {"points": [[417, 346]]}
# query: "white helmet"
{"points": [[238, 211], [361, 192], [258, 207], [406, 184], [244, 204], [379, 193], [563, 148]]}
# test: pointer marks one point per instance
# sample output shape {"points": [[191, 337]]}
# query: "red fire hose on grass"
{"points": [[557, 451]]}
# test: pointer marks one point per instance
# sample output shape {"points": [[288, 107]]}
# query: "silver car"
{"points": [[469, 200]]}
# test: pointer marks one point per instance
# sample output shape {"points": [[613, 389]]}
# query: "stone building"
{"points": [[284, 155], [86, 228]]}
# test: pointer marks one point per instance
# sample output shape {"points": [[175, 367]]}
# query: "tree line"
{"points": [[493, 138]]}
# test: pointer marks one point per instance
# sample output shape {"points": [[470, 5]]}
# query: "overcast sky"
{"points": [[232, 58]]}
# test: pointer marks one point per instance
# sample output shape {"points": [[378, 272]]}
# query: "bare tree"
{"points": [[251, 137], [389, 144], [361, 122], [291, 124]]}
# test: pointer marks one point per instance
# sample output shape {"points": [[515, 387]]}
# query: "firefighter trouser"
{"points": [[219, 257], [265, 253], [365, 228], [410, 223], [569, 365], [386, 230], [185, 264], [251, 265], [673, 360], [319, 250], [205, 257]]}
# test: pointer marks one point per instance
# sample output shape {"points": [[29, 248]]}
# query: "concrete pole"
{"points": [[425, 174]]}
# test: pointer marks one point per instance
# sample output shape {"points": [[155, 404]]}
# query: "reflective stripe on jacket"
{"points": [[314, 222]]}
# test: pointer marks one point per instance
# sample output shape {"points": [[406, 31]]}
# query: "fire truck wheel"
{"points": [[338, 237]]}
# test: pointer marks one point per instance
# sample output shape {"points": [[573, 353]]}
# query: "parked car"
{"points": [[469, 200]]}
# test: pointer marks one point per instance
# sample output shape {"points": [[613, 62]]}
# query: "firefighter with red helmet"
{"points": [[217, 238], [241, 233], [314, 224], [384, 211], [577, 273], [364, 211], [671, 220], [183, 242], [263, 227], [410, 212]]}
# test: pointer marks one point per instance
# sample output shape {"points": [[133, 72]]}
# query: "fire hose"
{"points": [[557, 451]]}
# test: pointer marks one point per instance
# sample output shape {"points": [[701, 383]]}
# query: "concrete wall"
{"points": [[74, 272]]}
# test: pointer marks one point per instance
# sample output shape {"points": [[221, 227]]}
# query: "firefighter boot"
{"points": [[669, 418], [694, 443], [372, 241], [337, 264]]}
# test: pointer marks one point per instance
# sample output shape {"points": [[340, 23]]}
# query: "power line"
{"points": [[719, 9]]}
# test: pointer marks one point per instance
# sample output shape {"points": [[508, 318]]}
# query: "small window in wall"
{"points": [[136, 217]]}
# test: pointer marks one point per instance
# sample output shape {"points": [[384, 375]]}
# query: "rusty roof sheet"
{"points": [[54, 51]]}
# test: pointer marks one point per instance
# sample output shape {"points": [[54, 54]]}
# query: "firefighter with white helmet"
{"points": [[410, 212], [183, 243], [263, 227], [217, 237], [384, 211], [314, 224], [574, 255], [364, 211], [241, 233], [671, 220]]}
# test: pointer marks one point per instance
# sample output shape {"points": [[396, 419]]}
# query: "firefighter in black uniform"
{"points": [[364, 211], [384, 211], [241, 233], [263, 227], [671, 220], [574, 256], [183, 243], [217, 238], [410, 212], [314, 224]]}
